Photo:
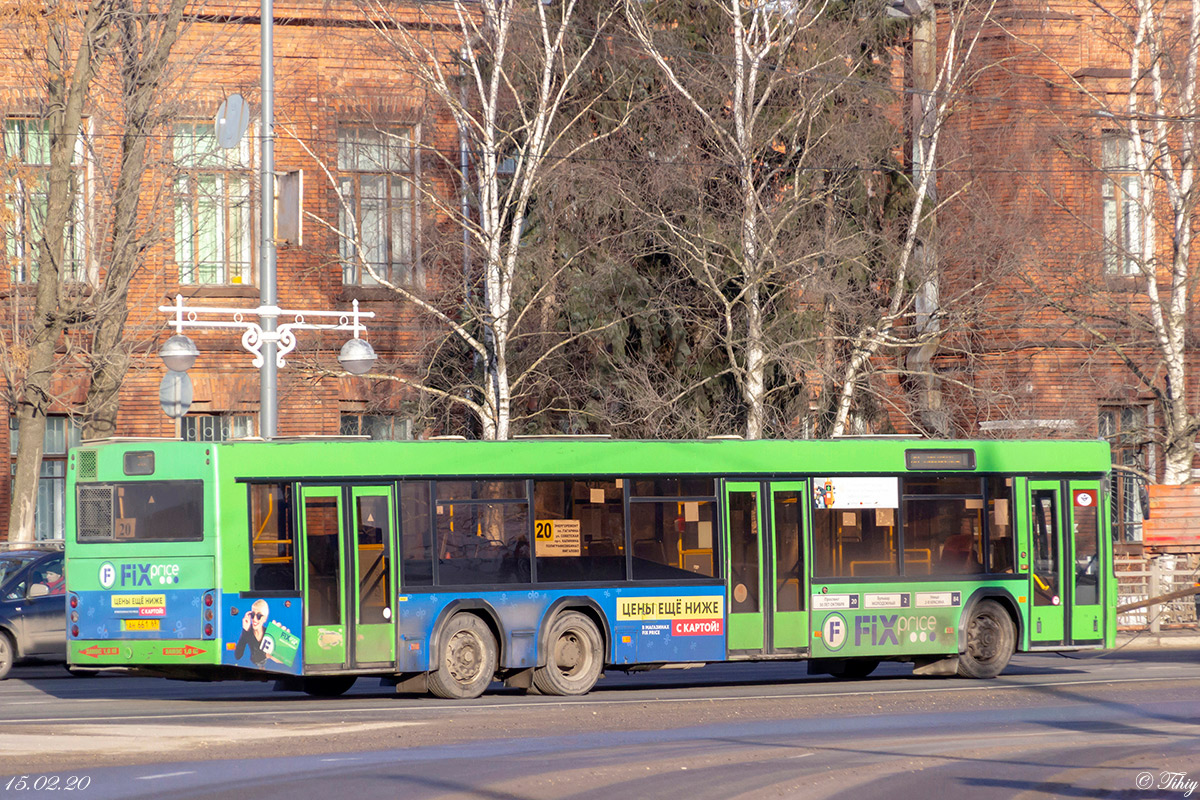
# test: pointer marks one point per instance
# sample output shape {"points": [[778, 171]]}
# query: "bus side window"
{"points": [[415, 535], [579, 530], [272, 538]]}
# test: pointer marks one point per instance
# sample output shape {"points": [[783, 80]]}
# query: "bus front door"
{"points": [[324, 579], [1068, 563], [1087, 563], [764, 561], [373, 576]]}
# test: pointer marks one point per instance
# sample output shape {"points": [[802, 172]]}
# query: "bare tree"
{"points": [[145, 36], [1148, 121], [74, 41], [508, 74]]}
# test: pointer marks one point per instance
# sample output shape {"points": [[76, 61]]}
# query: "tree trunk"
{"points": [[141, 79], [67, 90]]}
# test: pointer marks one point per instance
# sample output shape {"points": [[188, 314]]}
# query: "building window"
{"points": [[1122, 212], [376, 214], [1125, 429], [61, 433], [216, 427], [377, 427], [213, 210], [27, 142]]}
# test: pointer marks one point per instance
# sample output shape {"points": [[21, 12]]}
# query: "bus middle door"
{"points": [[373, 570], [764, 562]]}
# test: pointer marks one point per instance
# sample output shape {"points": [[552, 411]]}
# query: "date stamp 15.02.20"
{"points": [[47, 783]]}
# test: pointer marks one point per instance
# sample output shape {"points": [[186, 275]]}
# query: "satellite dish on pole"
{"points": [[232, 121], [175, 394]]}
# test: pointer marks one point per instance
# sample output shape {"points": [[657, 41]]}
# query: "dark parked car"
{"points": [[33, 607]]}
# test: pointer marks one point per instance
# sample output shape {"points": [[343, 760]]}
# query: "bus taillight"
{"points": [[75, 630], [74, 601], [208, 629]]}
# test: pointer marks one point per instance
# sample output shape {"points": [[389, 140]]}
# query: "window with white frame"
{"points": [[214, 219], [1124, 428], [27, 145], [62, 433], [381, 427], [215, 427], [1122, 211], [376, 209]]}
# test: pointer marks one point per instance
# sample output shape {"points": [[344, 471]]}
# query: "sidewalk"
{"points": [[1186, 637]]}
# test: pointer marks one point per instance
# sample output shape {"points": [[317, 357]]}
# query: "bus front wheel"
{"points": [[990, 641], [574, 656], [466, 661]]}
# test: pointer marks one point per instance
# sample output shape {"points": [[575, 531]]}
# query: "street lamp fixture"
{"points": [[357, 356], [179, 353]]}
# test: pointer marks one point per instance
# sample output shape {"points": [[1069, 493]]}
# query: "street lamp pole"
{"points": [[269, 296]]}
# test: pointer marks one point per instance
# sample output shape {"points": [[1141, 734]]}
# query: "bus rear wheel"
{"points": [[990, 641], [574, 656], [466, 661]]}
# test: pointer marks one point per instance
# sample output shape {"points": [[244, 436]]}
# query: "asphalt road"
{"points": [[1050, 727]]}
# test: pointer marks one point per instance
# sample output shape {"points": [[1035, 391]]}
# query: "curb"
{"points": [[1148, 640]]}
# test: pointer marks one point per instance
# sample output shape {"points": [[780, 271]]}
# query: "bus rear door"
{"points": [[322, 532], [349, 576], [373, 640], [765, 565]]}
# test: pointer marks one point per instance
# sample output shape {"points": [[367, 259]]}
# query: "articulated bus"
{"points": [[442, 566]]}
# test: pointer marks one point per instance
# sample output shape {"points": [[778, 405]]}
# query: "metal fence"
{"points": [[1143, 578]]}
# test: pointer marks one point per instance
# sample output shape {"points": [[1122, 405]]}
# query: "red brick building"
{"points": [[347, 114], [1040, 243]]}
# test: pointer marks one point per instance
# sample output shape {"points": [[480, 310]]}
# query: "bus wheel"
{"points": [[7, 654], [855, 669], [990, 641], [328, 685], [466, 662], [573, 656]]}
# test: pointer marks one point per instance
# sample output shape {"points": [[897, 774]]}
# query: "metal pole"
{"points": [[268, 315]]}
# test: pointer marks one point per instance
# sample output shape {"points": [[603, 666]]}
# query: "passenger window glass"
{"points": [[272, 538], [579, 530], [672, 540], [416, 531], [482, 543], [480, 490], [854, 527], [1001, 546], [674, 487]]}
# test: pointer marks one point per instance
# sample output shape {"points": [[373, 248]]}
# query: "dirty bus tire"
{"points": [[574, 656], [466, 659], [855, 669], [8, 654], [328, 685], [990, 641]]}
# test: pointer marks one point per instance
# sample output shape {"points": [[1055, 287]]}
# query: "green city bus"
{"points": [[445, 565]]}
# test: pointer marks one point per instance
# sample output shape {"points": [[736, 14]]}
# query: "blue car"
{"points": [[33, 608]]}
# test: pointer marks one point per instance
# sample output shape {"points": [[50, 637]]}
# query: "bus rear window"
{"points": [[141, 512]]}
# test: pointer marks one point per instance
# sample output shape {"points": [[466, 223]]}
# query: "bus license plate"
{"points": [[140, 624]]}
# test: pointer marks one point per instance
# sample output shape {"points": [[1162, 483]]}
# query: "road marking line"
{"points": [[165, 775], [645, 695]]}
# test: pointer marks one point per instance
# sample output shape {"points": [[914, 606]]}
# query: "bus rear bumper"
{"points": [[128, 653]]}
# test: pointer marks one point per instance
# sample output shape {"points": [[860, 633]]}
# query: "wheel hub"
{"points": [[464, 656]]}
